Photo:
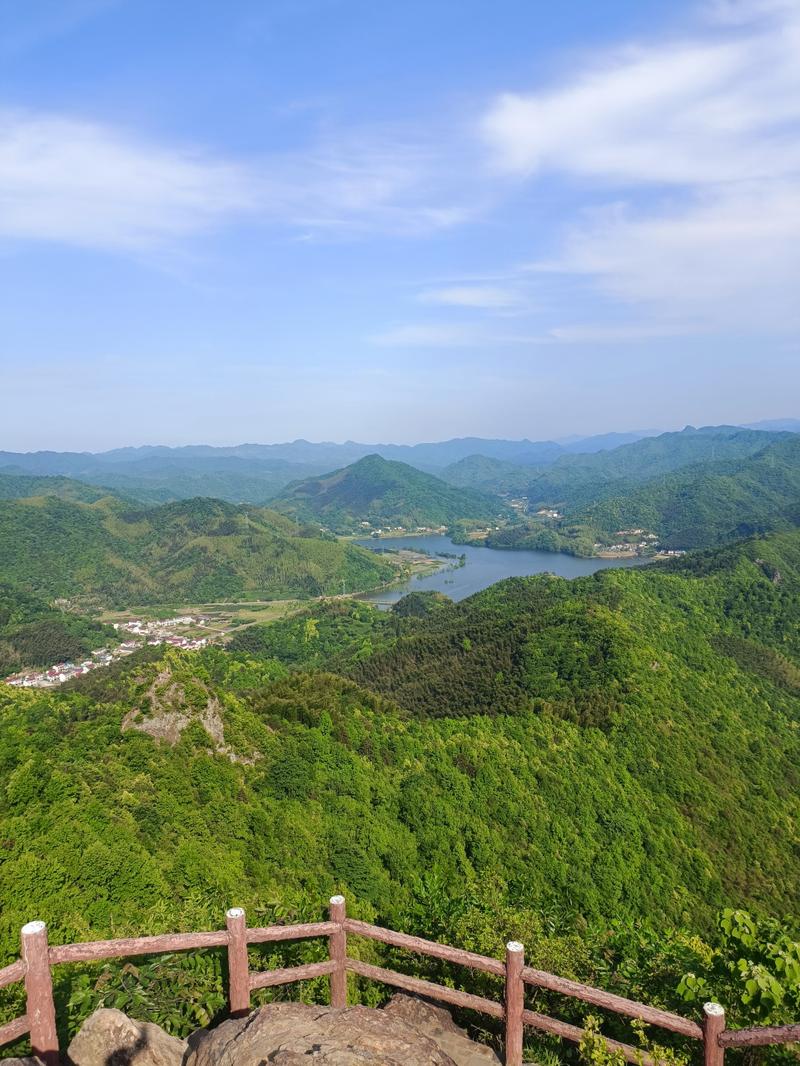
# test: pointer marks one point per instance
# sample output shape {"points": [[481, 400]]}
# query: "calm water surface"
{"points": [[483, 566]]}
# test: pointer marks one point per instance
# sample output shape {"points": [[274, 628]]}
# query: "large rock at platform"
{"points": [[110, 1038], [437, 1024], [295, 1034]]}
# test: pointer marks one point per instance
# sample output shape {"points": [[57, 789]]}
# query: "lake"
{"points": [[484, 566]]}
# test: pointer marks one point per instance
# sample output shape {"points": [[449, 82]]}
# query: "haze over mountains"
{"points": [[255, 473]]}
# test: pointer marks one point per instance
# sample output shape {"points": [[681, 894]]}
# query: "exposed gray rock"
{"points": [[289, 1034], [436, 1022], [109, 1038]]}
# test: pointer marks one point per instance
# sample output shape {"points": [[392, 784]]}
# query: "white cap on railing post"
{"points": [[515, 1002], [713, 1026], [238, 966], [337, 947]]}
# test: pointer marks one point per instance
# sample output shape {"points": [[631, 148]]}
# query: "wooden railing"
{"points": [[38, 957]]}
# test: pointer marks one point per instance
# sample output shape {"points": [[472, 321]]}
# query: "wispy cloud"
{"points": [[70, 180], [445, 335], [690, 112], [700, 140], [485, 297], [81, 183], [728, 260]]}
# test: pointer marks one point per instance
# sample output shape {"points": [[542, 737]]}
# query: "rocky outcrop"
{"points": [[407, 1032], [170, 712], [289, 1033], [436, 1023], [111, 1038]]}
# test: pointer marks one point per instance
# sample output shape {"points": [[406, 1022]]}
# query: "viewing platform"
{"points": [[38, 957]]}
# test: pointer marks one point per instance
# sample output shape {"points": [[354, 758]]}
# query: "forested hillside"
{"points": [[194, 551], [19, 486], [713, 502], [575, 480], [383, 493], [34, 634], [619, 753]]}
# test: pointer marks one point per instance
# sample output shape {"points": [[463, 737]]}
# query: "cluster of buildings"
{"points": [[161, 630], [145, 632], [401, 531], [61, 672]]}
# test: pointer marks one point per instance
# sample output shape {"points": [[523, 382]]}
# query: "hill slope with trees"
{"points": [[193, 551], [32, 633], [383, 493], [593, 766]]}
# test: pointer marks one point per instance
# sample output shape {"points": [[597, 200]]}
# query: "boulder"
{"points": [[109, 1038], [436, 1023], [290, 1034]]}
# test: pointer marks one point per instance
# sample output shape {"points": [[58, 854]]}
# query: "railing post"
{"points": [[41, 1009], [515, 1002], [238, 966], [713, 1026], [338, 952]]}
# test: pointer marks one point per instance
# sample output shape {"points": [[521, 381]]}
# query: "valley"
{"points": [[522, 719]]}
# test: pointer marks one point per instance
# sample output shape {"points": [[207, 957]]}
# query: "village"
{"points": [[139, 632]]}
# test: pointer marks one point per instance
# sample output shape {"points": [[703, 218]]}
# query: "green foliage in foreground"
{"points": [[195, 551], [35, 634]]}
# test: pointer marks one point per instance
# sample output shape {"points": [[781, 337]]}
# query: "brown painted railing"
{"points": [[37, 958]]}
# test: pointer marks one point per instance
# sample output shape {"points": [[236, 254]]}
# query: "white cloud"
{"points": [[480, 296], [701, 138], [77, 182], [70, 180], [730, 259], [689, 112]]}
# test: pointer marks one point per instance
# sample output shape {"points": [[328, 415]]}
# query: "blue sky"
{"points": [[265, 219]]}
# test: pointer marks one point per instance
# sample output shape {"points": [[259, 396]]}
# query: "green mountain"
{"points": [[382, 493], [711, 502], [670, 694], [576, 480], [485, 474], [15, 486], [193, 551], [32, 633]]}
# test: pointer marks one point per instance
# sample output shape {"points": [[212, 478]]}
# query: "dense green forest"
{"points": [[383, 493], [34, 634], [711, 502], [698, 505], [597, 767], [194, 551], [576, 480]]}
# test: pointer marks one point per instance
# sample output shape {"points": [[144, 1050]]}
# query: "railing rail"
{"points": [[37, 959]]}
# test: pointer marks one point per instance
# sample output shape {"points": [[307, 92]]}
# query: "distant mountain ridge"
{"points": [[255, 473], [386, 494]]}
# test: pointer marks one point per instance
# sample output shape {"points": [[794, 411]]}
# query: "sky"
{"points": [[346, 219]]}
